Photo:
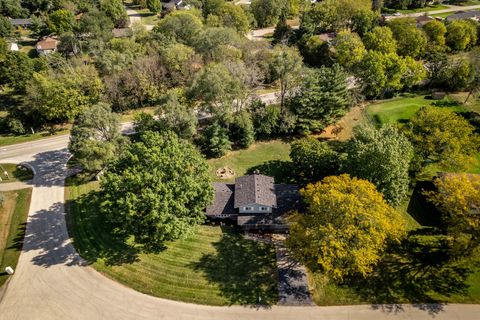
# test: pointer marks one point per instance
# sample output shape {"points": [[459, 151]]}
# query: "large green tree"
{"points": [[96, 138], [182, 26], [442, 137], [60, 95], [115, 10], [313, 159], [461, 35], [380, 39], [16, 70], [267, 12], [383, 157], [157, 189], [349, 49], [411, 41], [61, 21], [346, 227], [322, 99]]}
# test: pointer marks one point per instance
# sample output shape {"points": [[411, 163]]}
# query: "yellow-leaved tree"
{"points": [[346, 227], [458, 198]]}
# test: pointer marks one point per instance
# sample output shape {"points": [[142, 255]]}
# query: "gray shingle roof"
{"points": [[463, 15], [255, 189], [223, 203], [21, 22]]}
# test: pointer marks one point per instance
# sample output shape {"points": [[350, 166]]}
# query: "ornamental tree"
{"points": [[157, 189], [381, 156], [346, 227]]}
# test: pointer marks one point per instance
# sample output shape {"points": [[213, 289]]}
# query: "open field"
{"points": [[13, 217], [214, 265], [14, 173]]}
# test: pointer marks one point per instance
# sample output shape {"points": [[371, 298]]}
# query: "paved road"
{"points": [[53, 282]]}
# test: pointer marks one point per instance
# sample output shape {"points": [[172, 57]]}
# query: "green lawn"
{"points": [[214, 265], [13, 217], [14, 173], [271, 158], [426, 9]]}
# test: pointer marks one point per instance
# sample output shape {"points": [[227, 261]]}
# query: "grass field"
{"points": [[272, 158], [14, 173], [13, 217], [215, 265]]}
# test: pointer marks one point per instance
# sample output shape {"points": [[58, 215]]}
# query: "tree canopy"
{"points": [[157, 189], [346, 227]]}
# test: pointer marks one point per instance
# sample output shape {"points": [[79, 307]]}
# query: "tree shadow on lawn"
{"points": [[244, 270], [419, 270], [423, 211], [281, 171], [94, 237]]}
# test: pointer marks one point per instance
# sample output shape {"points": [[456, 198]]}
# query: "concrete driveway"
{"points": [[53, 282]]}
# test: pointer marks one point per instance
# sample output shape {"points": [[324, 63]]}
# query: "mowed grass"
{"points": [[13, 173], [271, 157], [13, 217], [214, 265]]}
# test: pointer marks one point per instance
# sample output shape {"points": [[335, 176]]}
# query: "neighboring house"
{"points": [[464, 15], [13, 47], [327, 37], [423, 20], [255, 202], [21, 22], [46, 46]]}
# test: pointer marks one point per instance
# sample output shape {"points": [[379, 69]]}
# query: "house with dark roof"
{"points": [[464, 15], [21, 22], [255, 202]]}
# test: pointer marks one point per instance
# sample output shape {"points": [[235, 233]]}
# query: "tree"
{"points": [[346, 227], [442, 137], [286, 66], [61, 21], [411, 41], [380, 39], [115, 10], [214, 141], [322, 99], [435, 31], [241, 130], [175, 114], [6, 28], [282, 31], [219, 44], [349, 49], [60, 95], [157, 190], [16, 70], [216, 89], [381, 156], [265, 118], [313, 160], [182, 26], [267, 12], [95, 138], [458, 198], [95, 24], [233, 16], [461, 35], [364, 21], [154, 6]]}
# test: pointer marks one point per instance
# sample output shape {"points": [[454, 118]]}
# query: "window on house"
{"points": [[247, 208], [263, 209]]}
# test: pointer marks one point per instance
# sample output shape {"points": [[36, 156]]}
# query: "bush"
{"points": [[446, 103], [15, 126], [265, 118]]}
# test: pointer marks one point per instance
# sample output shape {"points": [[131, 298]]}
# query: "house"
{"points": [[21, 22], [46, 46], [255, 202], [327, 37], [13, 47], [423, 20], [463, 15]]}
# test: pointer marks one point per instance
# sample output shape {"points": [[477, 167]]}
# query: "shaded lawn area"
{"points": [[214, 265], [14, 173], [13, 217], [269, 158]]}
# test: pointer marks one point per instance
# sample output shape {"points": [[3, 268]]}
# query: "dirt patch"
{"points": [[225, 173], [343, 129]]}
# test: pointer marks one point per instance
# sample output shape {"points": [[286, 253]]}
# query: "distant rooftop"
{"points": [[21, 22]]}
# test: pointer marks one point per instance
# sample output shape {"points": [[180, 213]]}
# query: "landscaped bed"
{"points": [[14, 173], [214, 265], [13, 217]]}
